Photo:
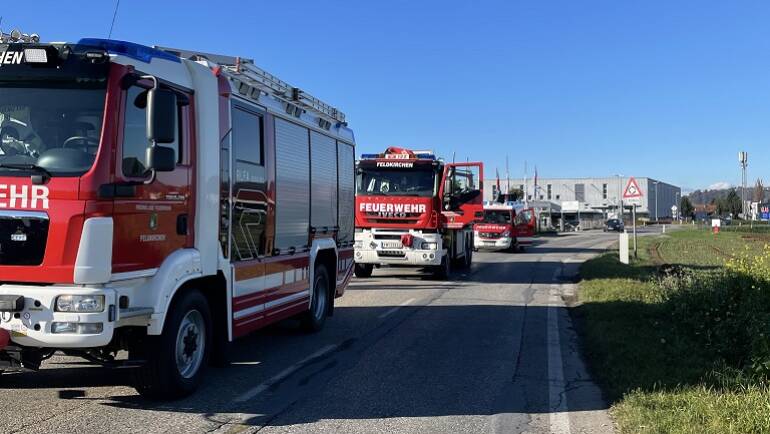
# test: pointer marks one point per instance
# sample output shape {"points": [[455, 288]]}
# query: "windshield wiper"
{"points": [[32, 168]]}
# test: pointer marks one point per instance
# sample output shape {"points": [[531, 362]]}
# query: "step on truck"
{"points": [[415, 210], [162, 202], [507, 226]]}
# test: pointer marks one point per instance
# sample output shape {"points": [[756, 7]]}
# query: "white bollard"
{"points": [[623, 248], [664, 229]]}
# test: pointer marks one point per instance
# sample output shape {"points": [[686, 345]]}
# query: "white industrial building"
{"points": [[590, 201]]}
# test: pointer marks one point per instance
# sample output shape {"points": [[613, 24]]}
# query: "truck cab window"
{"points": [[135, 141]]}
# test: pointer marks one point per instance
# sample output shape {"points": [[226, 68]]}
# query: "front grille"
{"points": [[391, 253], [23, 238], [489, 235], [387, 237]]}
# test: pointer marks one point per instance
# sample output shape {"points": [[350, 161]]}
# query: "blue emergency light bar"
{"points": [[128, 49], [421, 156]]}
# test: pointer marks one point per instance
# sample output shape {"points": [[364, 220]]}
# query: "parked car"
{"points": [[615, 225]]}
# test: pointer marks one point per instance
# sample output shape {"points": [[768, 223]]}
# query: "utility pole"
{"points": [[656, 200], [620, 196], [743, 160]]}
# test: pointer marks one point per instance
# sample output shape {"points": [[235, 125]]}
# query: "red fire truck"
{"points": [[163, 202], [413, 209], [506, 226]]}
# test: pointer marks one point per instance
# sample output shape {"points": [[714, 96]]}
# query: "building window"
{"points": [[521, 187], [494, 191], [529, 197], [604, 191], [548, 191], [558, 197], [580, 192]]}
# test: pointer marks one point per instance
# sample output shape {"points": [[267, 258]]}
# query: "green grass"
{"points": [[676, 350]]}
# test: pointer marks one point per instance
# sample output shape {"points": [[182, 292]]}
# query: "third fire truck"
{"points": [[506, 226], [413, 209]]}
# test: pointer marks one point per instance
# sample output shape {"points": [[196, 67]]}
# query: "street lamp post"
{"points": [[620, 196]]}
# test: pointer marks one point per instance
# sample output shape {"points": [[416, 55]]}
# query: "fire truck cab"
{"points": [[413, 209], [505, 226], [163, 202]]}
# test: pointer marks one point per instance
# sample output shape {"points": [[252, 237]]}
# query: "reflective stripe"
{"points": [[262, 307]]}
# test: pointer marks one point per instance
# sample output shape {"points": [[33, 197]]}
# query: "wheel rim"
{"points": [[190, 344], [319, 299]]}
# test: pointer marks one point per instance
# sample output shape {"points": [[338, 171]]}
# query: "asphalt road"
{"points": [[491, 350]]}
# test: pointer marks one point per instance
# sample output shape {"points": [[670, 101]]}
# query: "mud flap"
{"points": [[5, 338]]}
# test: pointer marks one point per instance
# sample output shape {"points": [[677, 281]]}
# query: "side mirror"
{"points": [[161, 116], [161, 158]]}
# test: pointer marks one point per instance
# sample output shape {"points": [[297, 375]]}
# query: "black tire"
{"points": [[162, 377], [514, 246], [468, 258], [313, 320], [442, 272], [363, 270]]}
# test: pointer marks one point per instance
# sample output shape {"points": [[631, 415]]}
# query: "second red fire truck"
{"points": [[413, 209]]}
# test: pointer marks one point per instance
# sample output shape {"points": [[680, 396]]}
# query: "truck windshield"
{"points": [[500, 217], [54, 125], [396, 182]]}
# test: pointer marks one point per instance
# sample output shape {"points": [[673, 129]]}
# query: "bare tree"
{"points": [[759, 191]]}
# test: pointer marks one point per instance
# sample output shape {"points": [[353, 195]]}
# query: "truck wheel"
{"points": [[313, 320], [514, 246], [363, 270], [441, 272], [468, 258], [176, 360]]}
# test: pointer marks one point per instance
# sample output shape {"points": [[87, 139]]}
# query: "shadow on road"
{"points": [[425, 361]]}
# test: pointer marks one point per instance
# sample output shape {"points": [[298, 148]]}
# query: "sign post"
{"points": [[633, 195]]}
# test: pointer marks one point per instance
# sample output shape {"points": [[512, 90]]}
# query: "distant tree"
{"points": [[685, 207], [759, 191], [515, 194], [732, 204]]}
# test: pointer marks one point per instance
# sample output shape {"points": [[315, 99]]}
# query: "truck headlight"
{"points": [[429, 246], [77, 328], [506, 234], [80, 303]]}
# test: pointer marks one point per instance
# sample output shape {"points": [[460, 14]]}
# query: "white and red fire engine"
{"points": [[163, 202], [505, 226], [413, 209]]}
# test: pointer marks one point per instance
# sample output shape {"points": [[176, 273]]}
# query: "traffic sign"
{"points": [[632, 189]]}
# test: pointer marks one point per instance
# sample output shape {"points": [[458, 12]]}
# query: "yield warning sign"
{"points": [[632, 190]]}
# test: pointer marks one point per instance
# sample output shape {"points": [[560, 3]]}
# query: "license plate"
{"points": [[391, 245]]}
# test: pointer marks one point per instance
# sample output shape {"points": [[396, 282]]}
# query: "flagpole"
{"points": [[507, 177]]}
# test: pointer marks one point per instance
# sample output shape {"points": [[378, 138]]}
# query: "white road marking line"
{"points": [[557, 395], [392, 311], [283, 374]]}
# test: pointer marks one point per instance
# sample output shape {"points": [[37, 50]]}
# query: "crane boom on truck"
{"points": [[413, 209], [163, 202]]}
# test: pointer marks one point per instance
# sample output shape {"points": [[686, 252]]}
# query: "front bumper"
{"points": [[370, 249], [492, 243], [31, 327]]}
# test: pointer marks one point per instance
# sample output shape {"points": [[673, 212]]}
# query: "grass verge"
{"points": [[677, 338]]}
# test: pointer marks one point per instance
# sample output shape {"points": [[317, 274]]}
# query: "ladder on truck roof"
{"points": [[247, 72]]}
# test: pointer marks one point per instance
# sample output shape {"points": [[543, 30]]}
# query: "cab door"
{"points": [[151, 220], [525, 223], [462, 194]]}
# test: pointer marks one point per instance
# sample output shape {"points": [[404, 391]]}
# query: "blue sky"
{"points": [[671, 90]]}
